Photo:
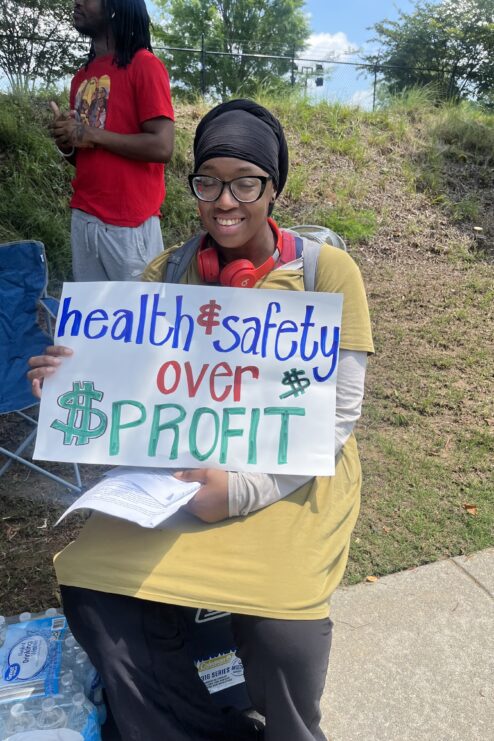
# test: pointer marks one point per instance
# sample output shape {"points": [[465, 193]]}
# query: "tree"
{"points": [[449, 45], [37, 42], [235, 28]]}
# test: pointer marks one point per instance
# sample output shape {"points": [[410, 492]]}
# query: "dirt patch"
{"points": [[28, 542], [30, 504]]}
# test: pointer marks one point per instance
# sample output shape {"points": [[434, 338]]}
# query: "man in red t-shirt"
{"points": [[119, 135]]}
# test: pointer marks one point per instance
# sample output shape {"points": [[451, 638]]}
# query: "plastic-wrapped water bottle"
{"points": [[90, 679], [51, 715], [79, 712], [51, 612], [19, 719], [69, 652], [3, 630], [24, 617], [85, 673], [68, 685]]}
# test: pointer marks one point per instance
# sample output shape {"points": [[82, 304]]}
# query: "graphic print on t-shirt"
{"points": [[91, 101]]}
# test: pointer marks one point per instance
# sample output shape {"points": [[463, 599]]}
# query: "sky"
{"points": [[339, 23], [340, 29]]}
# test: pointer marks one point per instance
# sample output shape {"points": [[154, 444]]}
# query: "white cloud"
{"points": [[334, 46]]}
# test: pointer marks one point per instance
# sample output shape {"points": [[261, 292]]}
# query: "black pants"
{"points": [[152, 686]]}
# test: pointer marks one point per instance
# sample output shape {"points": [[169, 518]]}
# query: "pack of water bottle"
{"points": [[49, 690]]}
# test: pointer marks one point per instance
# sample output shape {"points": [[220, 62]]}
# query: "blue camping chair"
{"points": [[23, 282]]}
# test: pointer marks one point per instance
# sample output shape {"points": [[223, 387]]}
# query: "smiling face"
{"points": [[240, 230]]}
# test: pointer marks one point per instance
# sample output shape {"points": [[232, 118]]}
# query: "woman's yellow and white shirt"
{"points": [[283, 561]]}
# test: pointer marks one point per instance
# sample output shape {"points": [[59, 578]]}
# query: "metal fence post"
{"points": [[374, 88], [203, 65]]}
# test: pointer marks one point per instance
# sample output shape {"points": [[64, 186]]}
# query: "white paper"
{"points": [[147, 497]]}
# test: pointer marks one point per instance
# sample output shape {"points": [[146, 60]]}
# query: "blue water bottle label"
{"points": [[91, 731], [30, 658]]}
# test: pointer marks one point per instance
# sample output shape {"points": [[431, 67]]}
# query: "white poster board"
{"points": [[179, 376]]}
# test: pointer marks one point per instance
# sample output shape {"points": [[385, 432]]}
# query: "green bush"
{"points": [[34, 181], [467, 132]]}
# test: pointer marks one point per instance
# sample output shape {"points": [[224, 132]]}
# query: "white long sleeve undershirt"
{"points": [[248, 492]]}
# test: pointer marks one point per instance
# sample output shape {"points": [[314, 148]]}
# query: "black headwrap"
{"points": [[245, 130]]}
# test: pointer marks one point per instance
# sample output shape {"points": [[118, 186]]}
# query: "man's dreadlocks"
{"points": [[129, 22]]}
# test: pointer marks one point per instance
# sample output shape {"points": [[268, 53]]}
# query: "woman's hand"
{"points": [[45, 365], [210, 504]]}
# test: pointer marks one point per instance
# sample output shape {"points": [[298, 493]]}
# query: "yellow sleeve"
{"points": [[337, 272], [155, 271]]}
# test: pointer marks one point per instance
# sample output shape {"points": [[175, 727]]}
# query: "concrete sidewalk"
{"points": [[413, 655]]}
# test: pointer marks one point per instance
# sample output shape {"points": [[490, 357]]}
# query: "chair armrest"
{"points": [[50, 304]]}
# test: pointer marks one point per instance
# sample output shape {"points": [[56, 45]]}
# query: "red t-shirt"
{"points": [[116, 189]]}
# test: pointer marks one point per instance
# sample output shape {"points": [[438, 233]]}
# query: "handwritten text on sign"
{"points": [[194, 376]]}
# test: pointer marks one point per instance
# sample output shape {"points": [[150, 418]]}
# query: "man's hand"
{"points": [[57, 113], [210, 504], [58, 116], [67, 131]]}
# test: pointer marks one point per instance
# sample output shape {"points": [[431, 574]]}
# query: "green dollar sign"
{"points": [[79, 403], [293, 378]]}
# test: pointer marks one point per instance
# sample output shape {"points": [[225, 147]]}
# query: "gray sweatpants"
{"points": [[105, 252], [154, 691]]}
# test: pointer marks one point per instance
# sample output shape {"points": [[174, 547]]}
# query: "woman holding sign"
{"points": [[270, 549]]}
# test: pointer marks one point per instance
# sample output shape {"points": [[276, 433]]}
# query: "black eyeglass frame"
{"points": [[263, 178]]}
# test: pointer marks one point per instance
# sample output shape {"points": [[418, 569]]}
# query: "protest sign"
{"points": [[193, 376]]}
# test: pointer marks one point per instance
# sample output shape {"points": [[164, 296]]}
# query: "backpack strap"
{"points": [[310, 256], [291, 247], [180, 259], [296, 247]]}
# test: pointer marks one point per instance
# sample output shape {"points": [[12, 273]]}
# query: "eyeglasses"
{"points": [[245, 189]]}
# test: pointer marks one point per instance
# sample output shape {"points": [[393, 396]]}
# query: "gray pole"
{"points": [[203, 65], [374, 89]]}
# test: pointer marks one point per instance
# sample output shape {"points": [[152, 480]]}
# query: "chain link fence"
{"points": [[350, 82], [333, 80]]}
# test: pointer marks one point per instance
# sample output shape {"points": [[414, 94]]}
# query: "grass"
{"points": [[468, 132], [404, 187], [298, 179], [33, 176], [354, 225], [455, 165], [426, 436]]}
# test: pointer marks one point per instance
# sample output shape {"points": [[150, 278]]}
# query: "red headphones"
{"points": [[238, 273]]}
